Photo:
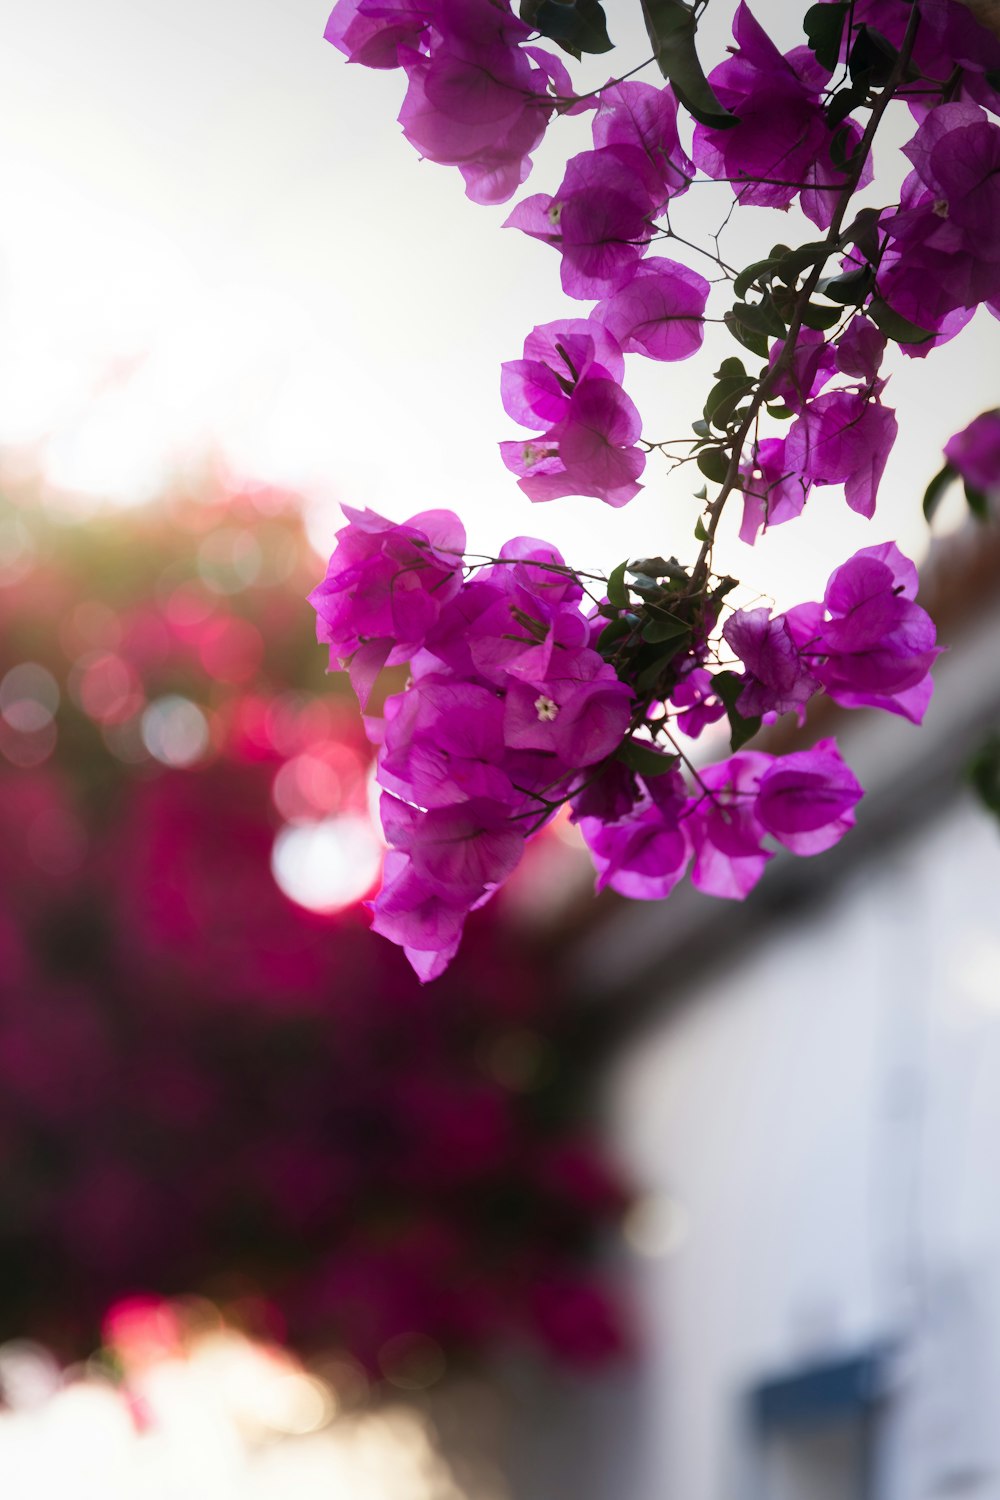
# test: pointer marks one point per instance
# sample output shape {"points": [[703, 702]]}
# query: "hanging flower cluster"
{"points": [[531, 685]]}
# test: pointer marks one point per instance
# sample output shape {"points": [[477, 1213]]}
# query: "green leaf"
{"points": [[824, 28], [700, 534], [872, 58], [802, 258], [753, 273], [844, 102], [729, 687], [658, 631], [977, 502], [844, 148], [576, 26], [613, 634], [672, 27], [864, 233], [934, 493], [700, 428], [894, 325], [723, 587], [714, 464], [660, 567], [755, 342], [645, 759], [617, 590], [649, 678], [723, 399], [816, 315], [761, 316], [850, 289], [780, 413], [701, 493]]}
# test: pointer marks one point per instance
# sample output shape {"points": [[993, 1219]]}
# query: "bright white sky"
{"points": [[215, 235]]}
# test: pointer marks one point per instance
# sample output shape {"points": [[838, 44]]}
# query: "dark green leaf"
{"points": [[850, 289], [755, 342], [672, 26], [731, 369], [864, 233], [664, 628], [723, 587], [780, 413], [844, 102], [872, 58], [934, 493], [700, 534], [894, 325], [617, 590], [761, 316], [760, 270], [576, 26], [700, 428], [723, 399], [649, 678], [802, 258], [977, 502], [613, 634], [818, 316], [824, 28], [659, 567], [729, 688], [714, 464], [645, 759], [844, 147]]}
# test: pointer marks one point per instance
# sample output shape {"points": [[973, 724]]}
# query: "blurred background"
{"points": [[670, 1200]]}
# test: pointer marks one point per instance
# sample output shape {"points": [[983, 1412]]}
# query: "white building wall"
{"points": [[823, 1112]]}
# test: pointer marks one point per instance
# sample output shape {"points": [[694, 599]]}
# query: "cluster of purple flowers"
{"points": [[511, 710], [477, 97], [480, 97], [527, 693]]}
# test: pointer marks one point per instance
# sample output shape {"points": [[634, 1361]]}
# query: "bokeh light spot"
{"points": [[29, 697], [175, 731], [328, 865]]}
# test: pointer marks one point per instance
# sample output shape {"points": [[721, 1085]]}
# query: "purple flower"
{"points": [[698, 701], [477, 99], [943, 256], [781, 146], [806, 800], [371, 32], [600, 219], [860, 348], [777, 678], [809, 367], [727, 835], [386, 584], [844, 438], [578, 712], [772, 489], [589, 449], [646, 852], [870, 644], [974, 453], [639, 115], [659, 313]]}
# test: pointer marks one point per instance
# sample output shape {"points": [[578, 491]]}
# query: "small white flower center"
{"points": [[545, 709], [554, 213], [941, 208]]}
